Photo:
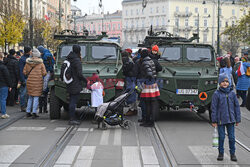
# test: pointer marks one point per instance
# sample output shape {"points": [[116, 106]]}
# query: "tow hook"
{"points": [[193, 108]]}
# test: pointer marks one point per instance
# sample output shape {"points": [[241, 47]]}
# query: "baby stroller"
{"points": [[111, 113]]}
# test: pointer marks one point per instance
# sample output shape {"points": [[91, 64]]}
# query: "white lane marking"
{"points": [[118, 137], [91, 129], [9, 153], [130, 156], [151, 165], [85, 156], [5, 165], [208, 155], [62, 165], [148, 155], [60, 129], [68, 155], [26, 128], [105, 137], [82, 129], [52, 121]]}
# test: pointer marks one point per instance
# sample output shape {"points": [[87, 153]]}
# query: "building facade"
{"points": [[179, 17], [96, 23]]}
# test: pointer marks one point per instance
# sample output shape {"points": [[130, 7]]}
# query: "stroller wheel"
{"points": [[104, 126], [126, 124]]}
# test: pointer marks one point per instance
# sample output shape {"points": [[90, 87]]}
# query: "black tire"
{"points": [[55, 106], [202, 110]]}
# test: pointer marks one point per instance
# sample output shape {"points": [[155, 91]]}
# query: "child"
{"points": [[225, 113], [97, 91]]}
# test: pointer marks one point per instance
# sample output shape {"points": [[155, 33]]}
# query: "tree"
{"points": [[11, 28]]}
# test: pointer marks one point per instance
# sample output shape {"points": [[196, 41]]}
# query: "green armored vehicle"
{"points": [[189, 76], [99, 56]]}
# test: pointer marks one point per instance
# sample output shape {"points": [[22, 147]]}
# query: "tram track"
{"points": [[11, 121], [55, 151], [246, 148]]}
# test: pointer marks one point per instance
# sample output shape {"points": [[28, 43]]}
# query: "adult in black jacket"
{"points": [[5, 82], [75, 87], [12, 64], [129, 72]]}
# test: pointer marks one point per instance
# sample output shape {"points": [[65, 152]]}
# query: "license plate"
{"points": [[85, 90], [187, 91]]}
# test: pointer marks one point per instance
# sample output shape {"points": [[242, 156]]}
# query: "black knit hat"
{"points": [[12, 51], [27, 49], [144, 53], [76, 49]]}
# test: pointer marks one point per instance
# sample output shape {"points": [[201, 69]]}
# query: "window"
{"points": [[99, 27], [142, 11], [186, 10], [114, 27], [205, 10], [157, 22], [163, 9], [109, 25], [196, 10], [233, 12], [126, 24], [151, 10], [99, 52], [152, 22], [137, 11], [171, 53], [220, 11], [196, 54], [220, 23], [119, 26], [137, 25], [163, 21], [126, 12], [157, 9], [142, 23], [132, 23], [177, 22], [204, 38], [131, 12], [205, 23], [177, 8], [65, 50], [196, 22], [186, 22]]}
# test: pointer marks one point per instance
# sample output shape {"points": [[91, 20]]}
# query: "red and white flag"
{"points": [[240, 70]]}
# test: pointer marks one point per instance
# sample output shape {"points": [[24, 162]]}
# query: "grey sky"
{"points": [[88, 6]]}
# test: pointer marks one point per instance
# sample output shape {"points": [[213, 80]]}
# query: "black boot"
{"points": [[34, 116], [149, 124], [40, 110], [220, 157], [233, 157]]}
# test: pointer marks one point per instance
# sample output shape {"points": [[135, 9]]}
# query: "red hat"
{"points": [[94, 78], [155, 48], [129, 50]]}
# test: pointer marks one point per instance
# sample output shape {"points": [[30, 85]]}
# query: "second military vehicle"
{"points": [[189, 76], [99, 56]]}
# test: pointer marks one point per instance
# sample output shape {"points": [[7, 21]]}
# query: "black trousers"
{"points": [[72, 105], [152, 106], [11, 97], [43, 103]]}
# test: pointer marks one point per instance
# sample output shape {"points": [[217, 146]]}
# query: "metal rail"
{"points": [[236, 140], [11, 121], [53, 154]]}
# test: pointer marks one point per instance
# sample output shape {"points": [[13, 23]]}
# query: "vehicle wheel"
{"points": [[55, 106], [201, 110]]}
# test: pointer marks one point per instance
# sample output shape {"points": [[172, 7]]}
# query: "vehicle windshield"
{"points": [[199, 54], [100, 52], [170, 53], [65, 50]]}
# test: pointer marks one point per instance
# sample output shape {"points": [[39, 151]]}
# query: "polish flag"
{"points": [[240, 70]]}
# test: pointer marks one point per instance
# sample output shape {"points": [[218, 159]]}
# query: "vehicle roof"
{"points": [[98, 42]]}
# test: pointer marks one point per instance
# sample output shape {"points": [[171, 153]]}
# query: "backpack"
{"points": [[66, 72], [248, 71]]}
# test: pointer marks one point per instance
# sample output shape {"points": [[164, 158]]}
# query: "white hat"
{"points": [[36, 53]]}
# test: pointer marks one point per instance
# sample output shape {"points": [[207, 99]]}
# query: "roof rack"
{"points": [[71, 35], [165, 38]]}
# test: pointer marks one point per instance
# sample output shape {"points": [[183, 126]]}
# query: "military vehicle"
{"points": [[189, 76], [98, 56]]}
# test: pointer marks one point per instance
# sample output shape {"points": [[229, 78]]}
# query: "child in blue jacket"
{"points": [[225, 113]]}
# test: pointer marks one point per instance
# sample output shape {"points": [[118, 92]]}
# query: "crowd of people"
{"points": [[24, 77]]}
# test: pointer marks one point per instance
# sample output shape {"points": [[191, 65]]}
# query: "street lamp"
{"points": [[31, 23], [218, 24]]}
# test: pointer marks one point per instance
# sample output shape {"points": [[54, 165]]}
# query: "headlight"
{"points": [[212, 82], [167, 82]]}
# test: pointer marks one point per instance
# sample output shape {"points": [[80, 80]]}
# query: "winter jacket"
{"points": [[12, 64], [128, 67], [225, 108], [150, 67], [79, 80], [21, 64], [4, 76], [35, 70], [48, 60], [243, 82]]}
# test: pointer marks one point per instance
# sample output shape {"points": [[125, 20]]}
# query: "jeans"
{"points": [[35, 101], [130, 84], [151, 107], [23, 96], [3, 97], [231, 137], [72, 105]]}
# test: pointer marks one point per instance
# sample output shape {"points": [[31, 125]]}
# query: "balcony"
{"points": [[182, 14], [184, 28]]}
